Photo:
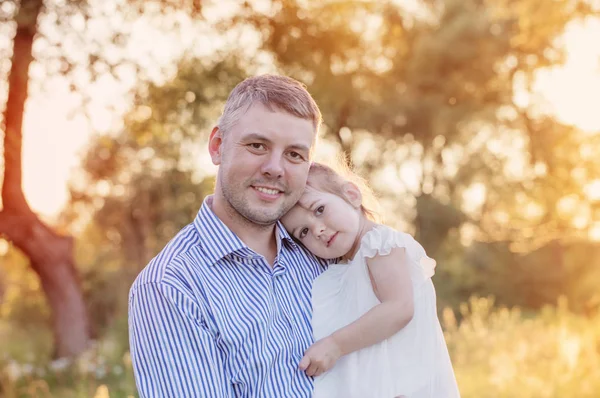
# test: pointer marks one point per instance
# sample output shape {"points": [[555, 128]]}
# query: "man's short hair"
{"points": [[275, 93]]}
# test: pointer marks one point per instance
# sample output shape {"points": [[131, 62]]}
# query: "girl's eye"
{"points": [[303, 233], [319, 210]]}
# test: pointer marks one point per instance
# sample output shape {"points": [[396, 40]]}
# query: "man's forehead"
{"points": [[269, 135], [281, 124]]}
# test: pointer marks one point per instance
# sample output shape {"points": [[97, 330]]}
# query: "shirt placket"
{"points": [[278, 278]]}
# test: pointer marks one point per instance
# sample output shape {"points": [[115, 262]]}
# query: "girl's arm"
{"points": [[393, 287]]}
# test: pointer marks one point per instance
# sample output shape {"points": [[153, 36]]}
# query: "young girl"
{"points": [[374, 312]]}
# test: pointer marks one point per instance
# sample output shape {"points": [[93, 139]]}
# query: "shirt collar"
{"points": [[218, 241], [283, 235]]}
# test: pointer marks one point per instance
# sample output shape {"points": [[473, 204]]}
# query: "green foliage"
{"points": [[496, 353], [539, 277], [434, 221], [102, 370], [436, 92], [143, 185], [23, 310], [431, 95], [499, 352], [425, 104]]}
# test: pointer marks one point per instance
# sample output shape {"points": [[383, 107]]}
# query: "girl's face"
{"points": [[326, 224]]}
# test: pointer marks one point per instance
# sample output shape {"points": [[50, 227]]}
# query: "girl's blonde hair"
{"points": [[330, 178]]}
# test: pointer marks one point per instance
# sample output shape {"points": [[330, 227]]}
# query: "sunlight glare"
{"points": [[53, 143], [473, 198], [573, 90], [592, 190], [50, 145], [595, 232], [4, 246]]}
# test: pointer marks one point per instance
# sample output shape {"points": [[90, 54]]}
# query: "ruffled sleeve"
{"points": [[381, 240]]}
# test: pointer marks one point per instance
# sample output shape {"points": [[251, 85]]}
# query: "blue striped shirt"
{"points": [[209, 317]]}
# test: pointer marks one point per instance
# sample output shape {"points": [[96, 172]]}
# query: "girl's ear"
{"points": [[352, 194]]}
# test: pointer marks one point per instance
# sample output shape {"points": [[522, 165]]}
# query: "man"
{"points": [[224, 309]]}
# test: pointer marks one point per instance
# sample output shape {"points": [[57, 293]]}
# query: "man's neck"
{"points": [[260, 238]]}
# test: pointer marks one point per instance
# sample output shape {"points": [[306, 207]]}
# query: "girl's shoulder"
{"points": [[381, 239]]}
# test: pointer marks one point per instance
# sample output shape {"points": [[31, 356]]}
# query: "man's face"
{"points": [[263, 163]]}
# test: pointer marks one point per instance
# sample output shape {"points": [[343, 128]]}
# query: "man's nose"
{"points": [[273, 165]]}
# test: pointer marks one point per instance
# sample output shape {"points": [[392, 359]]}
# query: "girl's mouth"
{"points": [[330, 241]]}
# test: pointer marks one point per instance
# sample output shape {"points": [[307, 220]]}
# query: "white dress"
{"points": [[414, 362]]}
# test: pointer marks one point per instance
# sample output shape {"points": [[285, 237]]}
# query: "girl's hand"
{"points": [[320, 357]]}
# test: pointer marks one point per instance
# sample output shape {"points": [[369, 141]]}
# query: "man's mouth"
{"points": [[268, 194], [268, 191]]}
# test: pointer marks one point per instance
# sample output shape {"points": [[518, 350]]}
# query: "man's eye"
{"points": [[296, 156], [303, 233], [257, 145], [319, 210]]}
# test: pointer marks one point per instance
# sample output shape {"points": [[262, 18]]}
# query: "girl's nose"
{"points": [[318, 230]]}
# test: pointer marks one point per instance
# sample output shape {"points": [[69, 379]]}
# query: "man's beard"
{"points": [[263, 217]]}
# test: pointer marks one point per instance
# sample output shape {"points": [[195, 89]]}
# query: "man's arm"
{"points": [[173, 354]]}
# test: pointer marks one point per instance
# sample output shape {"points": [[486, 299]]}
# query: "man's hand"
{"points": [[320, 357]]}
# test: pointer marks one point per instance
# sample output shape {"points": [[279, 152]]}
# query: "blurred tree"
{"points": [[439, 81], [49, 252], [539, 277], [429, 98], [23, 308], [423, 100], [147, 182]]}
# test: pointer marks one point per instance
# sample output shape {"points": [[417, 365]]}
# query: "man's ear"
{"points": [[352, 194], [215, 145]]}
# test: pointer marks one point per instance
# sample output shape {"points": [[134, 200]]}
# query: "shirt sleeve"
{"points": [[173, 354]]}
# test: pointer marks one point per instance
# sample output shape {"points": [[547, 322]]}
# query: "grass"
{"points": [[496, 352]]}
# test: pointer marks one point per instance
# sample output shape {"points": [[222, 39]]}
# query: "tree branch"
{"points": [[12, 191]]}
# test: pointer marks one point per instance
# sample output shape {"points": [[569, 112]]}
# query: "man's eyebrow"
{"points": [[260, 137], [255, 136], [300, 147]]}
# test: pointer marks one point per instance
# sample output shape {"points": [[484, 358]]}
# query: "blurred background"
{"points": [[477, 122]]}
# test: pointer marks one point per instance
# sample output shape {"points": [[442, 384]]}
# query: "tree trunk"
{"points": [[50, 254], [51, 257]]}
